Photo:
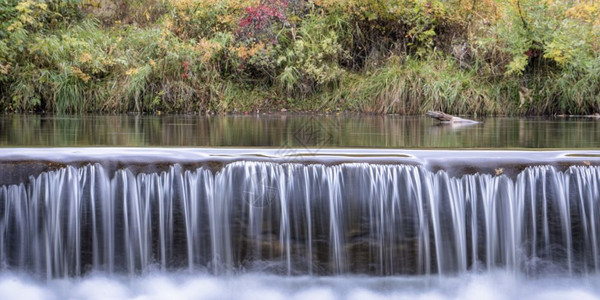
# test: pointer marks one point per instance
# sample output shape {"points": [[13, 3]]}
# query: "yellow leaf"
{"points": [[85, 57], [131, 71], [80, 74]]}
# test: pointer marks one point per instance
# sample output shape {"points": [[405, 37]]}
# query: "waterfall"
{"points": [[301, 219]]}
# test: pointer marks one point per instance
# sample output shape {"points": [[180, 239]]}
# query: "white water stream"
{"points": [[299, 219]]}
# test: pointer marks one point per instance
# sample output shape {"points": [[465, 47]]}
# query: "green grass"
{"points": [[408, 86]]}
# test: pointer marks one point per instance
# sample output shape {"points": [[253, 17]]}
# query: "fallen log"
{"points": [[446, 118]]}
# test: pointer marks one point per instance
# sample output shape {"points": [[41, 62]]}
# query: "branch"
{"points": [[521, 15]]}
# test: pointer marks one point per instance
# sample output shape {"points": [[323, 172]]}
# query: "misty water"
{"points": [[298, 207]]}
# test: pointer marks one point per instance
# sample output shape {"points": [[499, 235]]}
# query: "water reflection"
{"points": [[295, 131]]}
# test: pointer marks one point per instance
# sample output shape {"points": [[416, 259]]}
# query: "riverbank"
{"points": [[519, 57]]}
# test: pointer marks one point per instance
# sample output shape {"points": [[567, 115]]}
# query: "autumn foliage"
{"points": [[397, 56]]}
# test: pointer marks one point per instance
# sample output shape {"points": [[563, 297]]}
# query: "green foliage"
{"points": [[20, 23], [205, 18], [87, 68], [553, 49], [372, 30], [412, 86], [310, 60], [396, 56]]}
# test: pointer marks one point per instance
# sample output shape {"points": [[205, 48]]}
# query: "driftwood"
{"points": [[446, 118]]}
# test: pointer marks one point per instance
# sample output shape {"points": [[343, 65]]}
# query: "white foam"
{"points": [[15, 288], [498, 286]]}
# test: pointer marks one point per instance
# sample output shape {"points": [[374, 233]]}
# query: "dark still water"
{"points": [[295, 131]]}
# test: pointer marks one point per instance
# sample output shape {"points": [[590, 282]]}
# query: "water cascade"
{"points": [[290, 218]]}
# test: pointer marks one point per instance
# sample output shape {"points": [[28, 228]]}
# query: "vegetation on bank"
{"points": [[393, 56]]}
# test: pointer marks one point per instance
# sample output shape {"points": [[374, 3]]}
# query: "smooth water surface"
{"points": [[295, 131]]}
